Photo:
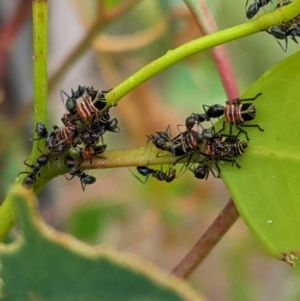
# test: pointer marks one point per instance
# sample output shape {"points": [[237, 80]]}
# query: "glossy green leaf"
{"points": [[266, 189], [47, 265]]}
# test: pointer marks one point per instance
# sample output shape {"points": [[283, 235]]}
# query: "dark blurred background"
{"points": [[158, 221]]}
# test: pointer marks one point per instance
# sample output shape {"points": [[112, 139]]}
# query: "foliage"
{"points": [[265, 189], [54, 266]]}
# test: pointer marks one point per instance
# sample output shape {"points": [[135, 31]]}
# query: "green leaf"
{"points": [[266, 189], [48, 265], [87, 222]]}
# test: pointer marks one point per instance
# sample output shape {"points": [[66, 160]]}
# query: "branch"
{"points": [[209, 239], [173, 56], [40, 58], [206, 25]]}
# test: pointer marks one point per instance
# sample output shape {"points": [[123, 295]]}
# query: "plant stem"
{"points": [[206, 24], [142, 156], [40, 56], [173, 56], [221, 59], [209, 239]]}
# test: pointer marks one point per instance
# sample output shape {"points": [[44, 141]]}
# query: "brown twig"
{"points": [[209, 239]]}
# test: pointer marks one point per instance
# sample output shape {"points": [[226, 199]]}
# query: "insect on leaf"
{"points": [[266, 189]]}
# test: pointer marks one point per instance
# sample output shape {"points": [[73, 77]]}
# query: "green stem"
{"points": [[221, 37], [40, 74], [142, 156], [40, 56]]}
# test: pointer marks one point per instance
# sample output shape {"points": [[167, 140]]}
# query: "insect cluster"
{"points": [[84, 126], [204, 148], [287, 29], [86, 122]]}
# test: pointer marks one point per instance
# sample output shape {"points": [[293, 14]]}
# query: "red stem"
{"points": [[207, 25]]}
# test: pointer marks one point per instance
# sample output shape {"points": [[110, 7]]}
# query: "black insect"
{"points": [[41, 130], [74, 171], [89, 152], [92, 104], [162, 140], [61, 139], [35, 169], [202, 170], [255, 7], [105, 123], [185, 144], [288, 29], [102, 124], [235, 113], [90, 136], [181, 145], [196, 119], [167, 176], [218, 147]]}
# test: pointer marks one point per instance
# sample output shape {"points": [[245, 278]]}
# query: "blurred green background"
{"points": [[158, 221]]}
